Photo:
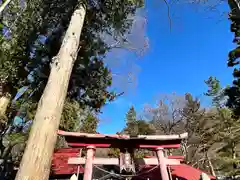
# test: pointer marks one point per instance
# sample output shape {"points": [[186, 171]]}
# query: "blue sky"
{"points": [[177, 61]]}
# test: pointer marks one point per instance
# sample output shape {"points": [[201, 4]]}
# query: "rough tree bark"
{"points": [[4, 102], [36, 161], [5, 99]]}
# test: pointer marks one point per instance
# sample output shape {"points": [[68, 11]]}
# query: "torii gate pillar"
{"points": [[89, 163], [162, 164]]}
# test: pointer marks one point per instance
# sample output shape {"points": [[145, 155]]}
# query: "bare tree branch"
{"points": [[169, 14]]}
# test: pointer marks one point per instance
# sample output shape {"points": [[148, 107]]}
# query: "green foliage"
{"points": [[139, 3], [144, 128], [50, 19], [135, 127], [131, 122], [233, 92], [70, 116], [131, 116], [12, 144], [228, 134], [215, 91], [14, 49], [225, 132], [113, 152], [23, 55], [225, 165], [89, 124], [14, 138]]}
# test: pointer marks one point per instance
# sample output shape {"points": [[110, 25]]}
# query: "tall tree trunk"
{"points": [[36, 161]]}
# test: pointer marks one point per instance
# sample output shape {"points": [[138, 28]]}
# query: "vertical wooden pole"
{"points": [[37, 157], [162, 164], [89, 163], [4, 102]]}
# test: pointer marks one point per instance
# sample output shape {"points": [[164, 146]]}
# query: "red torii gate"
{"points": [[126, 144]]}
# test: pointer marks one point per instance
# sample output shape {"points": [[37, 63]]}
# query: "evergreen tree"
{"points": [[89, 124], [227, 134], [136, 126], [131, 116], [226, 131], [216, 92], [233, 92], [131, 122], [144, 128]]}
